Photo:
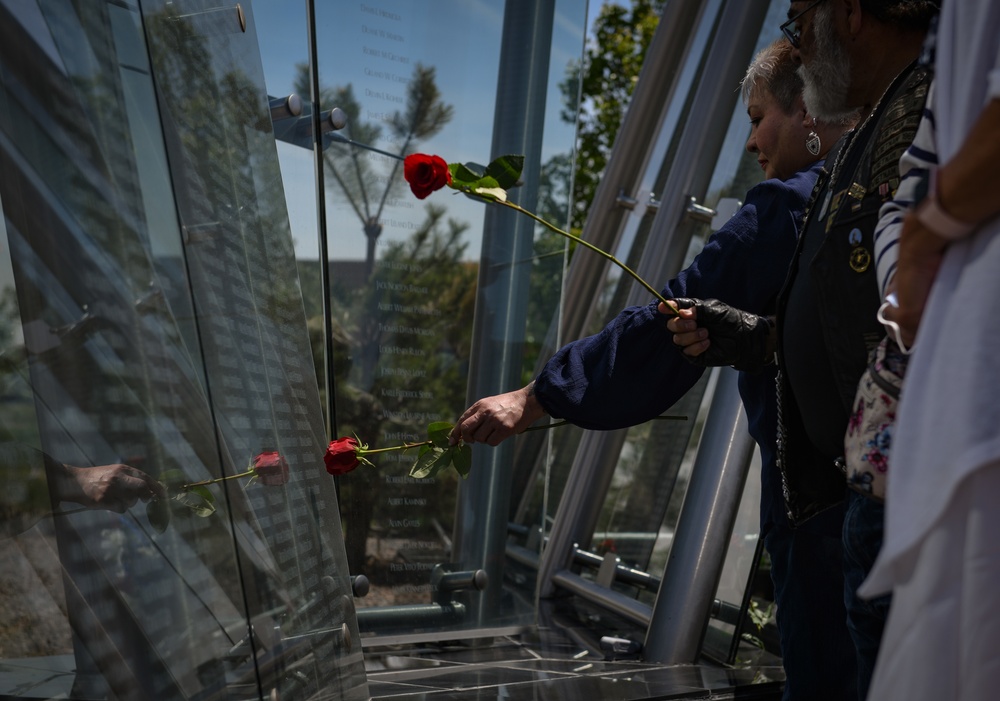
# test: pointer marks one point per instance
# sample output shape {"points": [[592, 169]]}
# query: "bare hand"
{"points": [[113, 487], [493, 419], [687, 334]]}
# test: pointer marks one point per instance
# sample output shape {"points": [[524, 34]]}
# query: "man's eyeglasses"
{"points": [[791, 30]]}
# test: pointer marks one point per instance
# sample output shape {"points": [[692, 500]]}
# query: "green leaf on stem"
{"points": [[462, 459], [485, 182], [199, 499], [437, 433], [173, 479], [430, 462], [465, 175], [158, 513], [491, 193], [506, 170]]}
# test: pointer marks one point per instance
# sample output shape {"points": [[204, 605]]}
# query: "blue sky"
{"points": [[373, 45]]}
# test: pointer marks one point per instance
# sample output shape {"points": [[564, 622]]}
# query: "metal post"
{"points": [[687, 591], [700, 142], [324, 258], [596, 456], [502, 298]]}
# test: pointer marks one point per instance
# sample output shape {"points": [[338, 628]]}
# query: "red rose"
{"points": [[341, 457], [271, 468], [425, 173]]}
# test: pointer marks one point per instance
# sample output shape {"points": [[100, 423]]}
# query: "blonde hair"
{"points": [[773, 70]]}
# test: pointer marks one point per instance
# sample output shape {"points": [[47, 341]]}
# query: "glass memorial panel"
{"points": [[404, 271], [152, 318]]}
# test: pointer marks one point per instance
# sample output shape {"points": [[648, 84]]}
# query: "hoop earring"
{"points": [[813, 142]]}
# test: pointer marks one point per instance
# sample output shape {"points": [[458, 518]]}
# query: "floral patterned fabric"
{"points": [[869, 429]]}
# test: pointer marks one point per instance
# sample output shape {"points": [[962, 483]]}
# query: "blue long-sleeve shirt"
{"points": [[631, 371]]}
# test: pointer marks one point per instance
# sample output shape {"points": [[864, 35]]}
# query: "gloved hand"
{"points": [[736, 337]]}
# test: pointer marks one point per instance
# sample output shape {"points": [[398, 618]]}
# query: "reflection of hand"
{"points": [[112, 487], [493, 419], [713, 333], [920, 254]]}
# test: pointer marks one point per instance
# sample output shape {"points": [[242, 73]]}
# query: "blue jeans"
{"points": [[863, 526], [807, 569]]}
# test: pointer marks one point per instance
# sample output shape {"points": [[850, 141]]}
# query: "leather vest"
{"points": [[842, 273]]}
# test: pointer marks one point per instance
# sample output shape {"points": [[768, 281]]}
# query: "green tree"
{"points": [[596, 93], [9, 317], [411, 335]]}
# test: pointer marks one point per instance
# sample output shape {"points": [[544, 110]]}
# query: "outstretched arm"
{"points": [[631, 371], [494, 419], [113, 487]]}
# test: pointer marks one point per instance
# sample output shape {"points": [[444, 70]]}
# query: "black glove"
{"points": [[737, 338]]}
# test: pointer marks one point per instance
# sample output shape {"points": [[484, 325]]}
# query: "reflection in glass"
{"points": [[159, 296], [161, 325], [404, 271]]}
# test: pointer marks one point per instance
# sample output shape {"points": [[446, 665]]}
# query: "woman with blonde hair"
{"points": [[631, 371]]}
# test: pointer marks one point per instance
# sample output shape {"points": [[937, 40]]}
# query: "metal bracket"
{"points": [[724, 210]]}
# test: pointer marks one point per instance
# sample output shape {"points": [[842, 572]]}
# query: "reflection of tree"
{"points": [[596, 93], [554, 184], [9, 318], [401, 341], [420, 312], [436, 316], [425, 115]]}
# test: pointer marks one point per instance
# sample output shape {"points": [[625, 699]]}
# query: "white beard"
{"points": [[827, 78]]}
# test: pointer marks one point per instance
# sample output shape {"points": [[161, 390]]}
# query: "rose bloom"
{"points": [[425, 173], [271, 468], [341, 457]]}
